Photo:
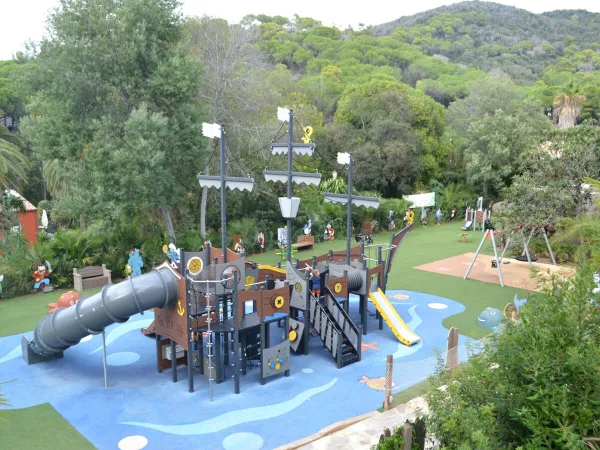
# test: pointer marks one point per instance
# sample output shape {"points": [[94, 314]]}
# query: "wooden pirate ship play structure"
{"points": [[224, 311], [215, 310]]}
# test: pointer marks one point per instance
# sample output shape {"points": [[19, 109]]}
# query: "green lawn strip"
{"points": [[39, 427], [21, 314], [408, 394]]}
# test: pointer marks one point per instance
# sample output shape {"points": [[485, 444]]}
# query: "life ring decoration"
{"points": [[337, 288], [195, 265], [278, 302]]}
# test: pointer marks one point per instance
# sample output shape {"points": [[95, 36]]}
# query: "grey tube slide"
{"points": [[65, 327]]}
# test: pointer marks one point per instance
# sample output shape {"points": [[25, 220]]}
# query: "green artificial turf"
{"points": [[38, 427], [21, 314], [425, 245]]}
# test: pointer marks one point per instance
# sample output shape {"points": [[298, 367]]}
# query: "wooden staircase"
{"points": [[335, 328]]}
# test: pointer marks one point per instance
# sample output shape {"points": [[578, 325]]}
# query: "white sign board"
{"points": [[420, 200]]}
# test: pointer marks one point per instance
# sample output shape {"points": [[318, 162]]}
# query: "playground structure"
{"points": [[477, 217], [214, 309], [498, 260], [216, 316]]}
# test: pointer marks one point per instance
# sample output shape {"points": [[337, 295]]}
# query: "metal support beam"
{"points": [[549, 247]]}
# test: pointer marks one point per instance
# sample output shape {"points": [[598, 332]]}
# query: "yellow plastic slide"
{"points": [[392, 318], [273, 268]]}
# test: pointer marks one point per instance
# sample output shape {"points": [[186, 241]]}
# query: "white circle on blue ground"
{"points": [[133, 443], [437, 306], [307, 370], [245, 441], [122, 358], [87, 338]]}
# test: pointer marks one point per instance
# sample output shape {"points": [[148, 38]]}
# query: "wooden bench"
{"points": [[91, 277], [304, 241]]}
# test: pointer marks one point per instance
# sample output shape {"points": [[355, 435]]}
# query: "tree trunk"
{"points": [[485, 189], [82, 222], [203, 207], [167, 219]]}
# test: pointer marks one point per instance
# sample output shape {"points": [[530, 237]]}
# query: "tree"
{"points": [[495, 124], [116, 106], [567, 106], [230, 82], [404, 121], [13, 163], [535, 385]]}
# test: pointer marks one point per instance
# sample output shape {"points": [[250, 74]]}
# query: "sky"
{"points": [[24, 20]]}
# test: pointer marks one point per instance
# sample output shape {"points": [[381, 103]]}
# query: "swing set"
{"points": [[498, 260]]}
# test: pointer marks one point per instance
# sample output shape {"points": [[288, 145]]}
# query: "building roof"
{"points": [[26, 203]]}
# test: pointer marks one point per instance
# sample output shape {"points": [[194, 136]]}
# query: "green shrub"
{"points": [[17, 264], [537, 383]]}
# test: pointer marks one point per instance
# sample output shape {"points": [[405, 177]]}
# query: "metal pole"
{"points": [[349, 207], [223, 197], [549, 247], [506, 245], [496, 256], [288, 256], [476, 253], [104, 359]]}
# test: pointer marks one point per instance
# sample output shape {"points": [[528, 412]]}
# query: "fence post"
{"points": [[387, 402], [452, 350], [407, 436]]}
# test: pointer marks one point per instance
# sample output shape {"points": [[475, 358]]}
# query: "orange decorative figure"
{"points": [[64, 301], [330, 231], [42, 275]]}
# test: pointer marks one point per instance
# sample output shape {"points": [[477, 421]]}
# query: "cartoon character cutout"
{"points": [[135, 262], [172, 253], [261, 241], [330, 231], [42, 275], [409, 218]]}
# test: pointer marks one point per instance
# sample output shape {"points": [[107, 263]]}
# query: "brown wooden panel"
{"points": [[245, 296], [164, 363], [268, 308], [91, 271], [171, 322], [215, 252], [377, 270], [341, 283]]}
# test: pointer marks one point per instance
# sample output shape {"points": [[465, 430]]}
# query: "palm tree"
{"points": [[12, 162], [567, 106]]}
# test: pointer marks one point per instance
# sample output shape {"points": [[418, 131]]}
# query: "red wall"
{"points": [[29, 225]]}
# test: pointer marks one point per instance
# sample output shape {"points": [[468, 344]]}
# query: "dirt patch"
{"points": [[515, 273]]}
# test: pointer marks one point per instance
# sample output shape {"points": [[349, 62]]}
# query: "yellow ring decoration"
{"points": [[337, 288], [279, 302], [195, 265]]}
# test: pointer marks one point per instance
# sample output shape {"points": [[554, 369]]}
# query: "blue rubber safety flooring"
{"points": [[145, 409]]}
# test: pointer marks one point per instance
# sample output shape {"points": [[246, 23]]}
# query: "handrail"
{"points": [[320, 306], [343, 311]]}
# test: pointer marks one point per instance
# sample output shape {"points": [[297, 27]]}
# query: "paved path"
{"points": [[360, 432]]}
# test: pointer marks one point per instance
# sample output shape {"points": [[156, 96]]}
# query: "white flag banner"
{"points": [[420, 200], [211, 130]]}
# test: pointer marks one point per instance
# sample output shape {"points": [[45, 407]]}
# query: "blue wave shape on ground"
{"points": [[14, 353], [233, 418]]}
